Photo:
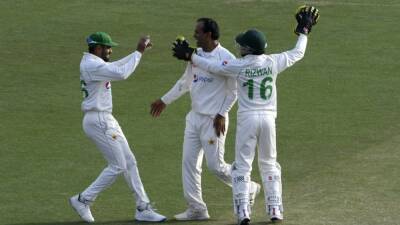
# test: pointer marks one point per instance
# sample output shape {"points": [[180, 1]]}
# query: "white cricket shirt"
{"points": [[210, 94], [96, 77], [256, 75]]}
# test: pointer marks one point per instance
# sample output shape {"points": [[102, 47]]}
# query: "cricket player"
{"points": [[256, 75], [207, 122], [103, 129]]}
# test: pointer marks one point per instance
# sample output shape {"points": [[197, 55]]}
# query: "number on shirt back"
{"points": [[85, 93], [265, 90]]}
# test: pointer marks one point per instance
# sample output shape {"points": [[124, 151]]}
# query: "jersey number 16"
{"points": [[263, 88]]}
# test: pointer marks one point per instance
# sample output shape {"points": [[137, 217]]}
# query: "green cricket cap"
{"points": [[100, 38], [252, 38]]}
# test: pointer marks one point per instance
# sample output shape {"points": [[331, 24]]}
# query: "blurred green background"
{"points": [[338, 124]]}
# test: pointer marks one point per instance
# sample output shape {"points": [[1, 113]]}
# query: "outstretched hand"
{"points": [[307, 17], [143, 44], [157, 107]]}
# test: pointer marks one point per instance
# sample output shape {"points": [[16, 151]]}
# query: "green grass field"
{"points": [[338, 114]]}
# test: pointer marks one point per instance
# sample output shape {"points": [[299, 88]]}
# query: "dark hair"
{"points": [[91, 48], [210, 25]]}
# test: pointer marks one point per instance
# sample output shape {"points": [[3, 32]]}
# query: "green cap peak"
{"points": [[100, 38]]}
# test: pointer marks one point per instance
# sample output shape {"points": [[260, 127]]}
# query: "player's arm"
{"points": [[103, 71], [231, 90], [224, 68], [288, 58], [121, 69], [229, 101], [124, 60], [143, 44], [307, 17], [231, 96], [182, 51], [181, 87]]}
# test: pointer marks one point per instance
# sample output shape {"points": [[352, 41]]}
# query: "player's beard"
{"points": [[105, 55]]}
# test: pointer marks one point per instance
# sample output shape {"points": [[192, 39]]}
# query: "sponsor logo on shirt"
{"points": [[108, 85], [197, 78]]}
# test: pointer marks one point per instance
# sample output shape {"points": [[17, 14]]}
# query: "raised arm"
{"points": [[288, 58], [307, 17], [121, 69], [118, 71]]}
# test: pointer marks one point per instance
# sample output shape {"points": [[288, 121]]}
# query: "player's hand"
{"points": [[157, 107], [219, 125], [307, 17], [181, 49], [143, 44]]}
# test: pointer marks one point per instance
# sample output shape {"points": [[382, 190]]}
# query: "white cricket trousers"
{"points": [[105, 132], [200, 138], [256, 130]]}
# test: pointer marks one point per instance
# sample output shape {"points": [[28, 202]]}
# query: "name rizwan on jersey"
{"points": [[257, 72]]}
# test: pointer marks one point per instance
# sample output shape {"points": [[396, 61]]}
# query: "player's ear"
{"points": [[98, 49]]}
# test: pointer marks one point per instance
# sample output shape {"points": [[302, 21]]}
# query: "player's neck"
{"points": [[210, 46]]}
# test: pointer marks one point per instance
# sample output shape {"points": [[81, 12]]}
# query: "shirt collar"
{"points": [[213, 52], [87, 54]]}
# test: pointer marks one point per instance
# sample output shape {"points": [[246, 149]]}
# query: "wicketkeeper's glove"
{"points": [[306, 16], [181, 49]]}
